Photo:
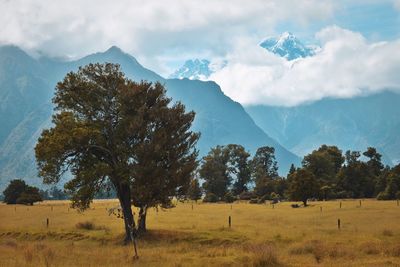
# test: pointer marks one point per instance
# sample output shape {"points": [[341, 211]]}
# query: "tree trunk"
{"points": [[142, 220], [124, 196]]}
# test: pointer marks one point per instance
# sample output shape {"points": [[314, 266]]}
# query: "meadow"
{"points": [[199, 235]]}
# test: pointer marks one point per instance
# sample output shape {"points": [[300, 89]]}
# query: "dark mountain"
{"points": [[27, 85], [354, 124]]}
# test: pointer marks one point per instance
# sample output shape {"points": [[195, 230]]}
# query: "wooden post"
{"points": [[360, 202], [47, 222], [229, 221], [15, 208], [338, 224]]}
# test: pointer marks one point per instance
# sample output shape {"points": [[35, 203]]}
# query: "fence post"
{"points": [[338, 224], [47, 222], [360, 202], [229, 221]]}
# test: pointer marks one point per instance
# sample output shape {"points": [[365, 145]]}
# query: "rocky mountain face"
{"points": [[27, 85], [354, 124]]}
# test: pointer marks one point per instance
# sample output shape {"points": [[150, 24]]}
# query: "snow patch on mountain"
{"points": [[288, 46]]}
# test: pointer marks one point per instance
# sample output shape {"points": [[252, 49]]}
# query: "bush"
{"points": [[246, 195], [229, 198], [85, 225], [264, 198], [29, 198], [382, 196], [210, 197], [253, 201], [18, 192]]}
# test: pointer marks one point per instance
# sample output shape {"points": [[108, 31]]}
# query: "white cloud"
{"points": [[149, 29], [347, 65]]}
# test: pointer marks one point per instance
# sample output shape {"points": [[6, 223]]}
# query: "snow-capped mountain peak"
{"points": [[197, 69], [288, 46]]}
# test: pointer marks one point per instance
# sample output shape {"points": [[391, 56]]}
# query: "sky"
{"points": [[359, 41]]}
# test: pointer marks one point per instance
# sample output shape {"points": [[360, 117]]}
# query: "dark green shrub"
{"points": [[210, 197], [229, 197]]}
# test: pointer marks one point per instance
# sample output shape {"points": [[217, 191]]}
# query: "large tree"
{"points": [[108, 129]]}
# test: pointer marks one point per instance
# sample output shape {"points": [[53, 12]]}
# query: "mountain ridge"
{"points": [[219, 118]]}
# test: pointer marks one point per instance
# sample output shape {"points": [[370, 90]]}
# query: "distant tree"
{"points": [[239, 169], [374, 162], [57, 193], [224, 169], [303, 185], [13, 191], [214, 172], [382, 180], [210, 197], [29, 196], [355, 177], [264, 169], [392, 190], [194, 191], [111, 130], [18, 192], [291, 170], [324, 163]]}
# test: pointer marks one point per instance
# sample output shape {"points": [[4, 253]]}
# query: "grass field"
{"points": [[261, 235]]}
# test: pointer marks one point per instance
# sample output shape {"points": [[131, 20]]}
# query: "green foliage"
{"points": [[210, 197], [18, 192], [229, 197], [247, 195], [355, 177], [111, 130], [194, 192], [392, 190], [324, 163], [265, 171], [303, 186], [225, 168]]}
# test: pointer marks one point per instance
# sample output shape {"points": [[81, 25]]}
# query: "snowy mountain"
{"points": [[288, 46], [198, 69], [27, 86]]}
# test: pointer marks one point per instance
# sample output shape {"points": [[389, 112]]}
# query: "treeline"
{"points": [[228, 173]]}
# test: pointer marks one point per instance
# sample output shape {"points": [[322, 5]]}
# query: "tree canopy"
{"points": [[18, 192], [111, 131]]}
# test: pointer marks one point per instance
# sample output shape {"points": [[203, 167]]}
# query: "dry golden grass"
{"points": [[260, 235]]}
